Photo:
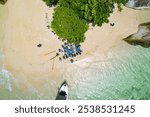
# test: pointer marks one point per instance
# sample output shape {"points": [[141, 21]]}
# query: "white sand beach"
{"points": [[106, 37], [23, 26]]}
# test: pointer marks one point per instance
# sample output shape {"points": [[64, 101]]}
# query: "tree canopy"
{"points": [[3, 1], [67, 25], [93, 11], [51, 2], [75, 12]]}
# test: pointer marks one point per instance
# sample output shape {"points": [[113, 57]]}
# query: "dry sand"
{"points": [[23, 26], [106, 37]]}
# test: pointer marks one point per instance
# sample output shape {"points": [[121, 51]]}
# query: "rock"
{"points": [[138, 4], [142, 37], [3, 1]]}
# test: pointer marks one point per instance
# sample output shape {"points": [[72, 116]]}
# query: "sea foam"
{"points": [[6, 79]]}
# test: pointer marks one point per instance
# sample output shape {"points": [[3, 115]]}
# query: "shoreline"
{"points": [[24, 28]]}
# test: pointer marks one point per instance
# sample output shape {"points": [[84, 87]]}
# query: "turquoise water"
{"points": [[124, 73]]}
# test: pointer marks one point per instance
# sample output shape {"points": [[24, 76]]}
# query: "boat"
{"points": [[62, 93]]}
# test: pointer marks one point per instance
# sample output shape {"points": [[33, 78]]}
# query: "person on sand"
{"points": [[48, 26], [60, 59], [64, 57], [53, 32], [65, 43], [59, 50], [63, 46], [71, 60], [57, 54], [39, 45], [112, 24]]}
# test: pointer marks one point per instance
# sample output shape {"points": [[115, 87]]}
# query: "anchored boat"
{"points": [[62, 93]]}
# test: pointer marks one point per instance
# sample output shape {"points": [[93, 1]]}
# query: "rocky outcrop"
{"points": [[142, 37], [138, 4], [3, 1]]}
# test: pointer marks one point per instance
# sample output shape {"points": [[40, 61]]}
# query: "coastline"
{"points": [[24, 28]]}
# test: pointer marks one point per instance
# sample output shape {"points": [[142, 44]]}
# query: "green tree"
{"points": [[93, 11], [67, 25], [3, 1], [71, 23], [51, 2]]}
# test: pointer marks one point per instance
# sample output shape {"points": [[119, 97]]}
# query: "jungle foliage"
{"points": [[67, 25], [91, 11]]}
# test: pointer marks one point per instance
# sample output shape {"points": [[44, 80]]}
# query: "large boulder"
{"points": [[142, 37], [3, 1], [138, 4]]}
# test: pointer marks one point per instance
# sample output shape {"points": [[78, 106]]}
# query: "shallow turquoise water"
{"points": [[124, 73]]}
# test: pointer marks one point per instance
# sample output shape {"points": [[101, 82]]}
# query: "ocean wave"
{"points": [[6, 79]]}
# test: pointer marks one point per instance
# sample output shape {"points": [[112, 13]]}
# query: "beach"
{"points": [[23, 25]]}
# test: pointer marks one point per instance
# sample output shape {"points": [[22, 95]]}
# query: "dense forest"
{"points": [[71, 17], [68, 25]]}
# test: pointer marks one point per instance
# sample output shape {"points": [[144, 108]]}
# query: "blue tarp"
{"points": [[77, 48], [67, 50], [72, 49]]}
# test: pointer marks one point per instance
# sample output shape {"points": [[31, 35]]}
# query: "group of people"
{"points": [[69, 51]]}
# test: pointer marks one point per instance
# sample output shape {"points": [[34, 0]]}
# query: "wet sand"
{"points": [[23, 26]]}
